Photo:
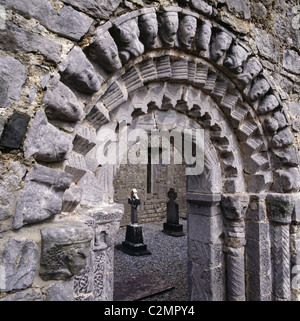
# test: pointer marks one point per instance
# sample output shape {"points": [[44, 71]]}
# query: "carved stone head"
{"points": [[105, 52], [269, 103], [259, 88], [61, 103], [129, 43], [79, 73], [149, 29], [168, 23], [187, 31], [65, 249], [221, 42], [250, 71], [235, 58], [204, 36]]}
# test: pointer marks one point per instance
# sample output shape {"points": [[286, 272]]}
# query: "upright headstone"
{"points": [[134, 244], [172, 226]]}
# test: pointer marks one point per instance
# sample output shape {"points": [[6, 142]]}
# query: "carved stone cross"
{"points": [[172, 208], [172, 226], [134, 201]]}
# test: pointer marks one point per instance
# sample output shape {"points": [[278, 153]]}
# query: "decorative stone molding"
{"points": [[156, 68]]}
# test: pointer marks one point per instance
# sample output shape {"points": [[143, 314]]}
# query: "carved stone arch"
{"points": [[221, 84]]}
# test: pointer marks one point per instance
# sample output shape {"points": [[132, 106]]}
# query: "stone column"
{"points": [[295, 249], [280, 208], [205, 248], [234, 207], [258, 251]]}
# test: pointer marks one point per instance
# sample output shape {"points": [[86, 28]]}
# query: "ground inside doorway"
{"points": [[167, 263]]}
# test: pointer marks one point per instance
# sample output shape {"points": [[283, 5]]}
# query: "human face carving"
{"points": [[220, 44], [187, 30], [105, 51], [268, 104], [259, 89], [168, 27], [251, 70], [235, 58], [149, 29], [204, 36], [129, 34], [62, 104]]}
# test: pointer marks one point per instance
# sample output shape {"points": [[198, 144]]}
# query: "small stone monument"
{"points": [[172, 226], [134, 244]]}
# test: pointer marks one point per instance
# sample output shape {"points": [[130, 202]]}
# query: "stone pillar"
{"points": [[95, 280], [295, 249], [258, 251], [205, 248], [280, 208], [234, 207]]}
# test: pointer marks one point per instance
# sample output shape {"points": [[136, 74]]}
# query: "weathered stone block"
{"points": [[291, 61], [234, 206], [14, 131], [26, 295], [259, 182], [76, 166], [268, 45], [206, 284], [286, 180], [257, 230], [12, 77], [132, 79], [259, 287], [115, 96], [11, 177], [67, 22], [84, 140], [148, 71], [45, 142], [280, 207], [258, 256], [286, 157], [100, 10], [61, 103], [283, 138], [71, 199], [98, 116], [65, 249], [19, 260], [24, 41], [42, 195], [257, 210], [61, 292], [205, 254], [205, 229], [92, 191]]}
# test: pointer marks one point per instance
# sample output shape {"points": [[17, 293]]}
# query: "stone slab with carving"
{"points": [[65, 248], [42, 195], [61, 103]]}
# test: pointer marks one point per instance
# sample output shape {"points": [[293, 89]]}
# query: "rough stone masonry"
{"points": [[70, 68]]}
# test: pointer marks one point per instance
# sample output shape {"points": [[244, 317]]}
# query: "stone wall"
{"points": [[153, 206], [55, 199]]}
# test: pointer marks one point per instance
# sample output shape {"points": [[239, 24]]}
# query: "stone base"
{"points": [[134, 244], [173, 229], [134, 249]]}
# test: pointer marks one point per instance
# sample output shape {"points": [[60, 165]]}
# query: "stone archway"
{"points": [[213, 78]]}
